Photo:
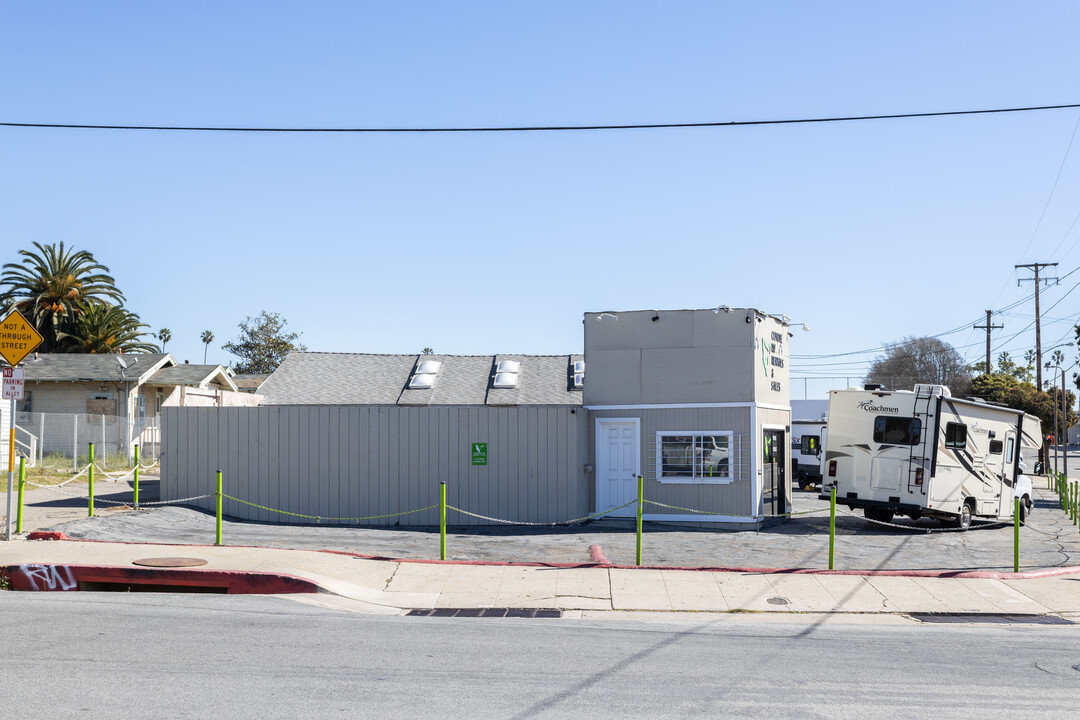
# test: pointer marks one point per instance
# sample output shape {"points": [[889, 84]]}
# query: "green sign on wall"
{"points": [[479, 453]]}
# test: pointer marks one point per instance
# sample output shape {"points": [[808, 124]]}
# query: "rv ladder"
{"points": [[920, 460]]}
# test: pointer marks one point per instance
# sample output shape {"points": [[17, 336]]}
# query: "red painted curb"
{"points": [[596, 554], [47, 535], [61, 578]]}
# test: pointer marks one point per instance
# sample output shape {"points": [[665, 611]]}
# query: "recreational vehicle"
{"points": [[923, 453], [807, 443]]}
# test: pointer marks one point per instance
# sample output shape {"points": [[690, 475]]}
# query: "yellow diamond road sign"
{"points": [[18, 338]]}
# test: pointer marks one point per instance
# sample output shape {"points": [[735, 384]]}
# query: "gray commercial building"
{"points": [[693, 401]]}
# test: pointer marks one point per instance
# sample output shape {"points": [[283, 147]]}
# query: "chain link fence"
{"points": [[61, 440]]}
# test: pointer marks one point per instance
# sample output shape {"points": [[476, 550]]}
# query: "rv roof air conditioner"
{"points": [[932, 390]]}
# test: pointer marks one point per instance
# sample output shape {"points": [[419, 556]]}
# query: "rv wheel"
{"points": [[963, 520]]}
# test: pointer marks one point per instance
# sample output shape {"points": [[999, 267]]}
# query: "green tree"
{"points": [[915, 360], [207, 338], [105, 328], [164, 335], [52, 286], [1003, 388], [263, 343], [428, 351]]}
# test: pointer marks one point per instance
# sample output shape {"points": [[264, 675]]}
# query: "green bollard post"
{"points": [[1016, 535], [136, 501], [640, 507], [442, 521], [22, 483], [832, 526], [91, 493], [217, 537]]}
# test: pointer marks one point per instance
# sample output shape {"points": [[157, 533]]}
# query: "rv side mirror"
{"points": [[1038, 468]]}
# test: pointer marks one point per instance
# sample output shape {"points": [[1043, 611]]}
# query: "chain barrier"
{"points": [[918, 528], [74, 477], [97, 499], [734, 515], [175, 502], [116, 475], [540, 524], [1056, 536], [319, 519]]}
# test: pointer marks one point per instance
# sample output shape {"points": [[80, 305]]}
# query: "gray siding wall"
{"points": [[685, 356], [735, 498], [359, 461]]}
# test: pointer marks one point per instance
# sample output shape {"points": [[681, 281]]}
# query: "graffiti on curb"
{"points": [[43, 577]]}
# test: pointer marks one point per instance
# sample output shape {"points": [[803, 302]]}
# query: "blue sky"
{"points": [[485, 243]]}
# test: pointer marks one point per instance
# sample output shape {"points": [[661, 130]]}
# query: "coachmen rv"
{"points": [[923, 453]]}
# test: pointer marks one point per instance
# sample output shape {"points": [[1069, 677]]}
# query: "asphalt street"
{"points": [[96, 655], [1048, 541]]}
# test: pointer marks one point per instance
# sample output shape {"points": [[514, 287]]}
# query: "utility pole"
{"points": [[988, 327], [1038, 319]]}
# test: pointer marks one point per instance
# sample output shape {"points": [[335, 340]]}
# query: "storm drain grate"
{"points": [[487, 612], [989, 618]]}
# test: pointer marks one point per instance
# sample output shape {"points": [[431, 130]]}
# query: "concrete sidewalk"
{"points": [[351, 582]]}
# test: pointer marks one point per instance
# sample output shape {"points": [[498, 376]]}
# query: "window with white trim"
{"points": [[694, 457]]}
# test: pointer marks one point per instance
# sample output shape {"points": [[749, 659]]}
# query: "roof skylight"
{"points": [[505, 379], [508, 366], [428, 367], [421, 382]]}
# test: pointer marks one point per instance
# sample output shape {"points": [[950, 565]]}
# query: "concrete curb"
{"points": [[598, 560]]}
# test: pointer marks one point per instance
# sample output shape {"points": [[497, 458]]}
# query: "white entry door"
{"points": [[617, 460]]}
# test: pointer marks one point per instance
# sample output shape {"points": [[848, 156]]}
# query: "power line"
{"points": [[538, 128]]}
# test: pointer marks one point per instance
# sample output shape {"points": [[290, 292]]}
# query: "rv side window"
{"points": [[995, 447], [897, 430], [955, 435], [811, 445]]}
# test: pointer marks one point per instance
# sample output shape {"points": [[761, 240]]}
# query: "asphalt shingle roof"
{"points": [[91, 366], [190, 375], [363, 379]]}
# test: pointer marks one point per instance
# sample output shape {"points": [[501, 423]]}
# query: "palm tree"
{"points": [[164, 335], [105, 328], [51, 287], [207, 338]]}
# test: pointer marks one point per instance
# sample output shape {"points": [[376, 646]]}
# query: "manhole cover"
{"points": [[169, 562], [778, 600]]}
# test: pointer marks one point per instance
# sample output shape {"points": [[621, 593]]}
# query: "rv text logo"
{"points": [[981, 431], [870, 407]]}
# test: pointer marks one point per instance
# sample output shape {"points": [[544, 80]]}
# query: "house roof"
{"points": [[249, 382], [55, 367], [192, 375], [312, 378]]}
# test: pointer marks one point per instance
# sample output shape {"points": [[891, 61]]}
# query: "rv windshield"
{"points": [[897, 430]]}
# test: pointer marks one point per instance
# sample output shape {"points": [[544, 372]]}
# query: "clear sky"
{"points": [[485, 243]]}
